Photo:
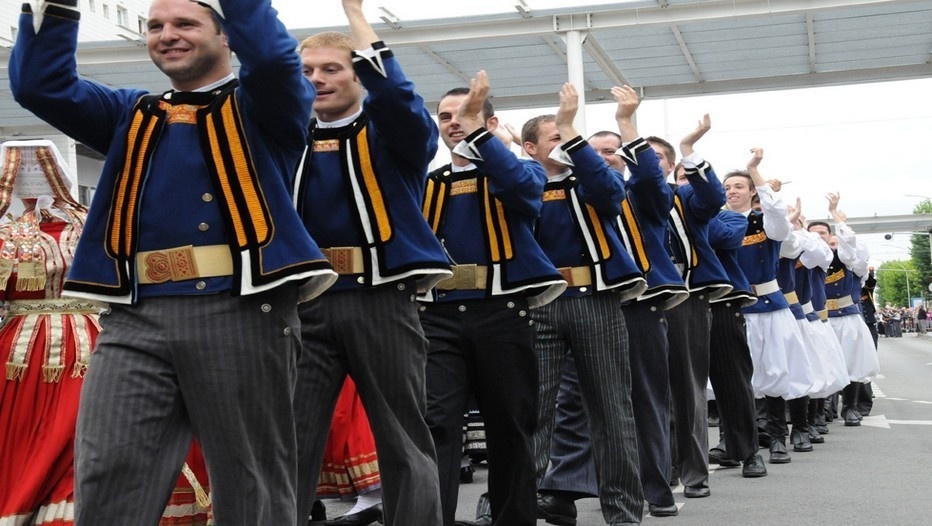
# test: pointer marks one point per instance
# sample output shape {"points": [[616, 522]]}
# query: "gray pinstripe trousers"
{"points": [[593, 329], [375, 336], [215, 367]]}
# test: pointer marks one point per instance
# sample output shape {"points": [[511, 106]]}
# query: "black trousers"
{"points": [[730, 371], [484, 347]]}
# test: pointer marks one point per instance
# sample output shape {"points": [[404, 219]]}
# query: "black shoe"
{"points": [[814, 436], [800, 440], [852, 418], [820, 425], [466, 473], [360, 518], [754, 467], [778, 454], [318, 514], [717, 455], [662, 511], [485, 520], [696, 492], [556, 509]]}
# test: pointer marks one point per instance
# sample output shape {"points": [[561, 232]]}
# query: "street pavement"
{"points": [[878, 473]]}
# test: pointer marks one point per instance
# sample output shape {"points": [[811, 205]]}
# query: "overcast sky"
{"points": [[868, 141]]}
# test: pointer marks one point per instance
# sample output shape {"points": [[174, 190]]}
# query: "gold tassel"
{"points": [[52, 373], [15, 371], [6, 269], [79, 370], [203, 500]]}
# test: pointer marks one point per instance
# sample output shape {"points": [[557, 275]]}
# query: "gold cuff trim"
{"points": [[791, 297]]}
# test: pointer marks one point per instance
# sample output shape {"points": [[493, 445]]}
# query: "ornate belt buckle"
{"points": [[567, 273], [341, 259], [175, 264], [465, 276]]}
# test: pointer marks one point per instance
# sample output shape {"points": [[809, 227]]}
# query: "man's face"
{"points": [[450, 130], [823, 232], [833, 242], [339, 91], [548, 138], [666, 163], [607, 146], [184, 42], [738, 193]]}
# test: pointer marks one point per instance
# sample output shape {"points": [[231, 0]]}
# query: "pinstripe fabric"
{"points": [[221, 368], [373, 335], [730, 370], [593, 329], [650, 393], [572, 468], [484, 347], [688, 334]]}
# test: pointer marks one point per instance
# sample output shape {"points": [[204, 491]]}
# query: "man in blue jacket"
{"points": [[194, 243]]}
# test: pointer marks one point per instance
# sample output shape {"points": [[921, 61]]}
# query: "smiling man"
{"points": [[359, 192], [193, 241]]}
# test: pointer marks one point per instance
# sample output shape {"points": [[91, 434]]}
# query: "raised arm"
{"points": [[776, 224]]}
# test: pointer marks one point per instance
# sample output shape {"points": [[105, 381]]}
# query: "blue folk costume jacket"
{"points": [[726, 235], [694, 206], [231, 149], [643, 224], [841, 283], [578, 225], [484, 217], [816, 254], [360, 186], [760, 251]]}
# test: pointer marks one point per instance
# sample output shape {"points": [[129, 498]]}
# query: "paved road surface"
{"points": [[879, 473]]}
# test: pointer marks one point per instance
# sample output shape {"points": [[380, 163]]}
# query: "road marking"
{"points": [[882, 422], [896, 399], [922, 402]]}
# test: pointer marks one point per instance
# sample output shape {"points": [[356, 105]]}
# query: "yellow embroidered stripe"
{"points": [[428, 199], [634, 234], [124, 204], [490, 224], [503, 225], [10, 169], [694, 260], [247, 183], [604, 250], [835, 276], [754, 239], [372, 186]]}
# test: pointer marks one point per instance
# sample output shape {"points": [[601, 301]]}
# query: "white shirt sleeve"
{"points": [[776, 224]]}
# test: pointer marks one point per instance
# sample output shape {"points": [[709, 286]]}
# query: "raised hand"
{"points": [[757, 155], [687, 142], [469, 114], [628, 101]]}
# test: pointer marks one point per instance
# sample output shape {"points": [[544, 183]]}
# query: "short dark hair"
{"points": [[820, 223], [605, 133], [670, 152], [487, 110], [531, 129], [738, 173]]}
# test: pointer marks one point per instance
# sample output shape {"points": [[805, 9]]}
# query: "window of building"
{"points": [[106, 11], [92, 5], [122, 17], [141, 25]]}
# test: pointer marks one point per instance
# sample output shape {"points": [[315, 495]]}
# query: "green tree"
{"points": [[919, 250], [892, 283]]}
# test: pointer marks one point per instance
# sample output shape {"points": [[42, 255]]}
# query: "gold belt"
{"points": [[466, 277], [823, 314], [52, 306], [345, 260], [839, 303], [576, 276], [791, 297], [183, 263]]}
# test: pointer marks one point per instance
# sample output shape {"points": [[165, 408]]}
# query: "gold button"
{"points": [[361, 280], [207, 197], [200, 285], [203, 227]]}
